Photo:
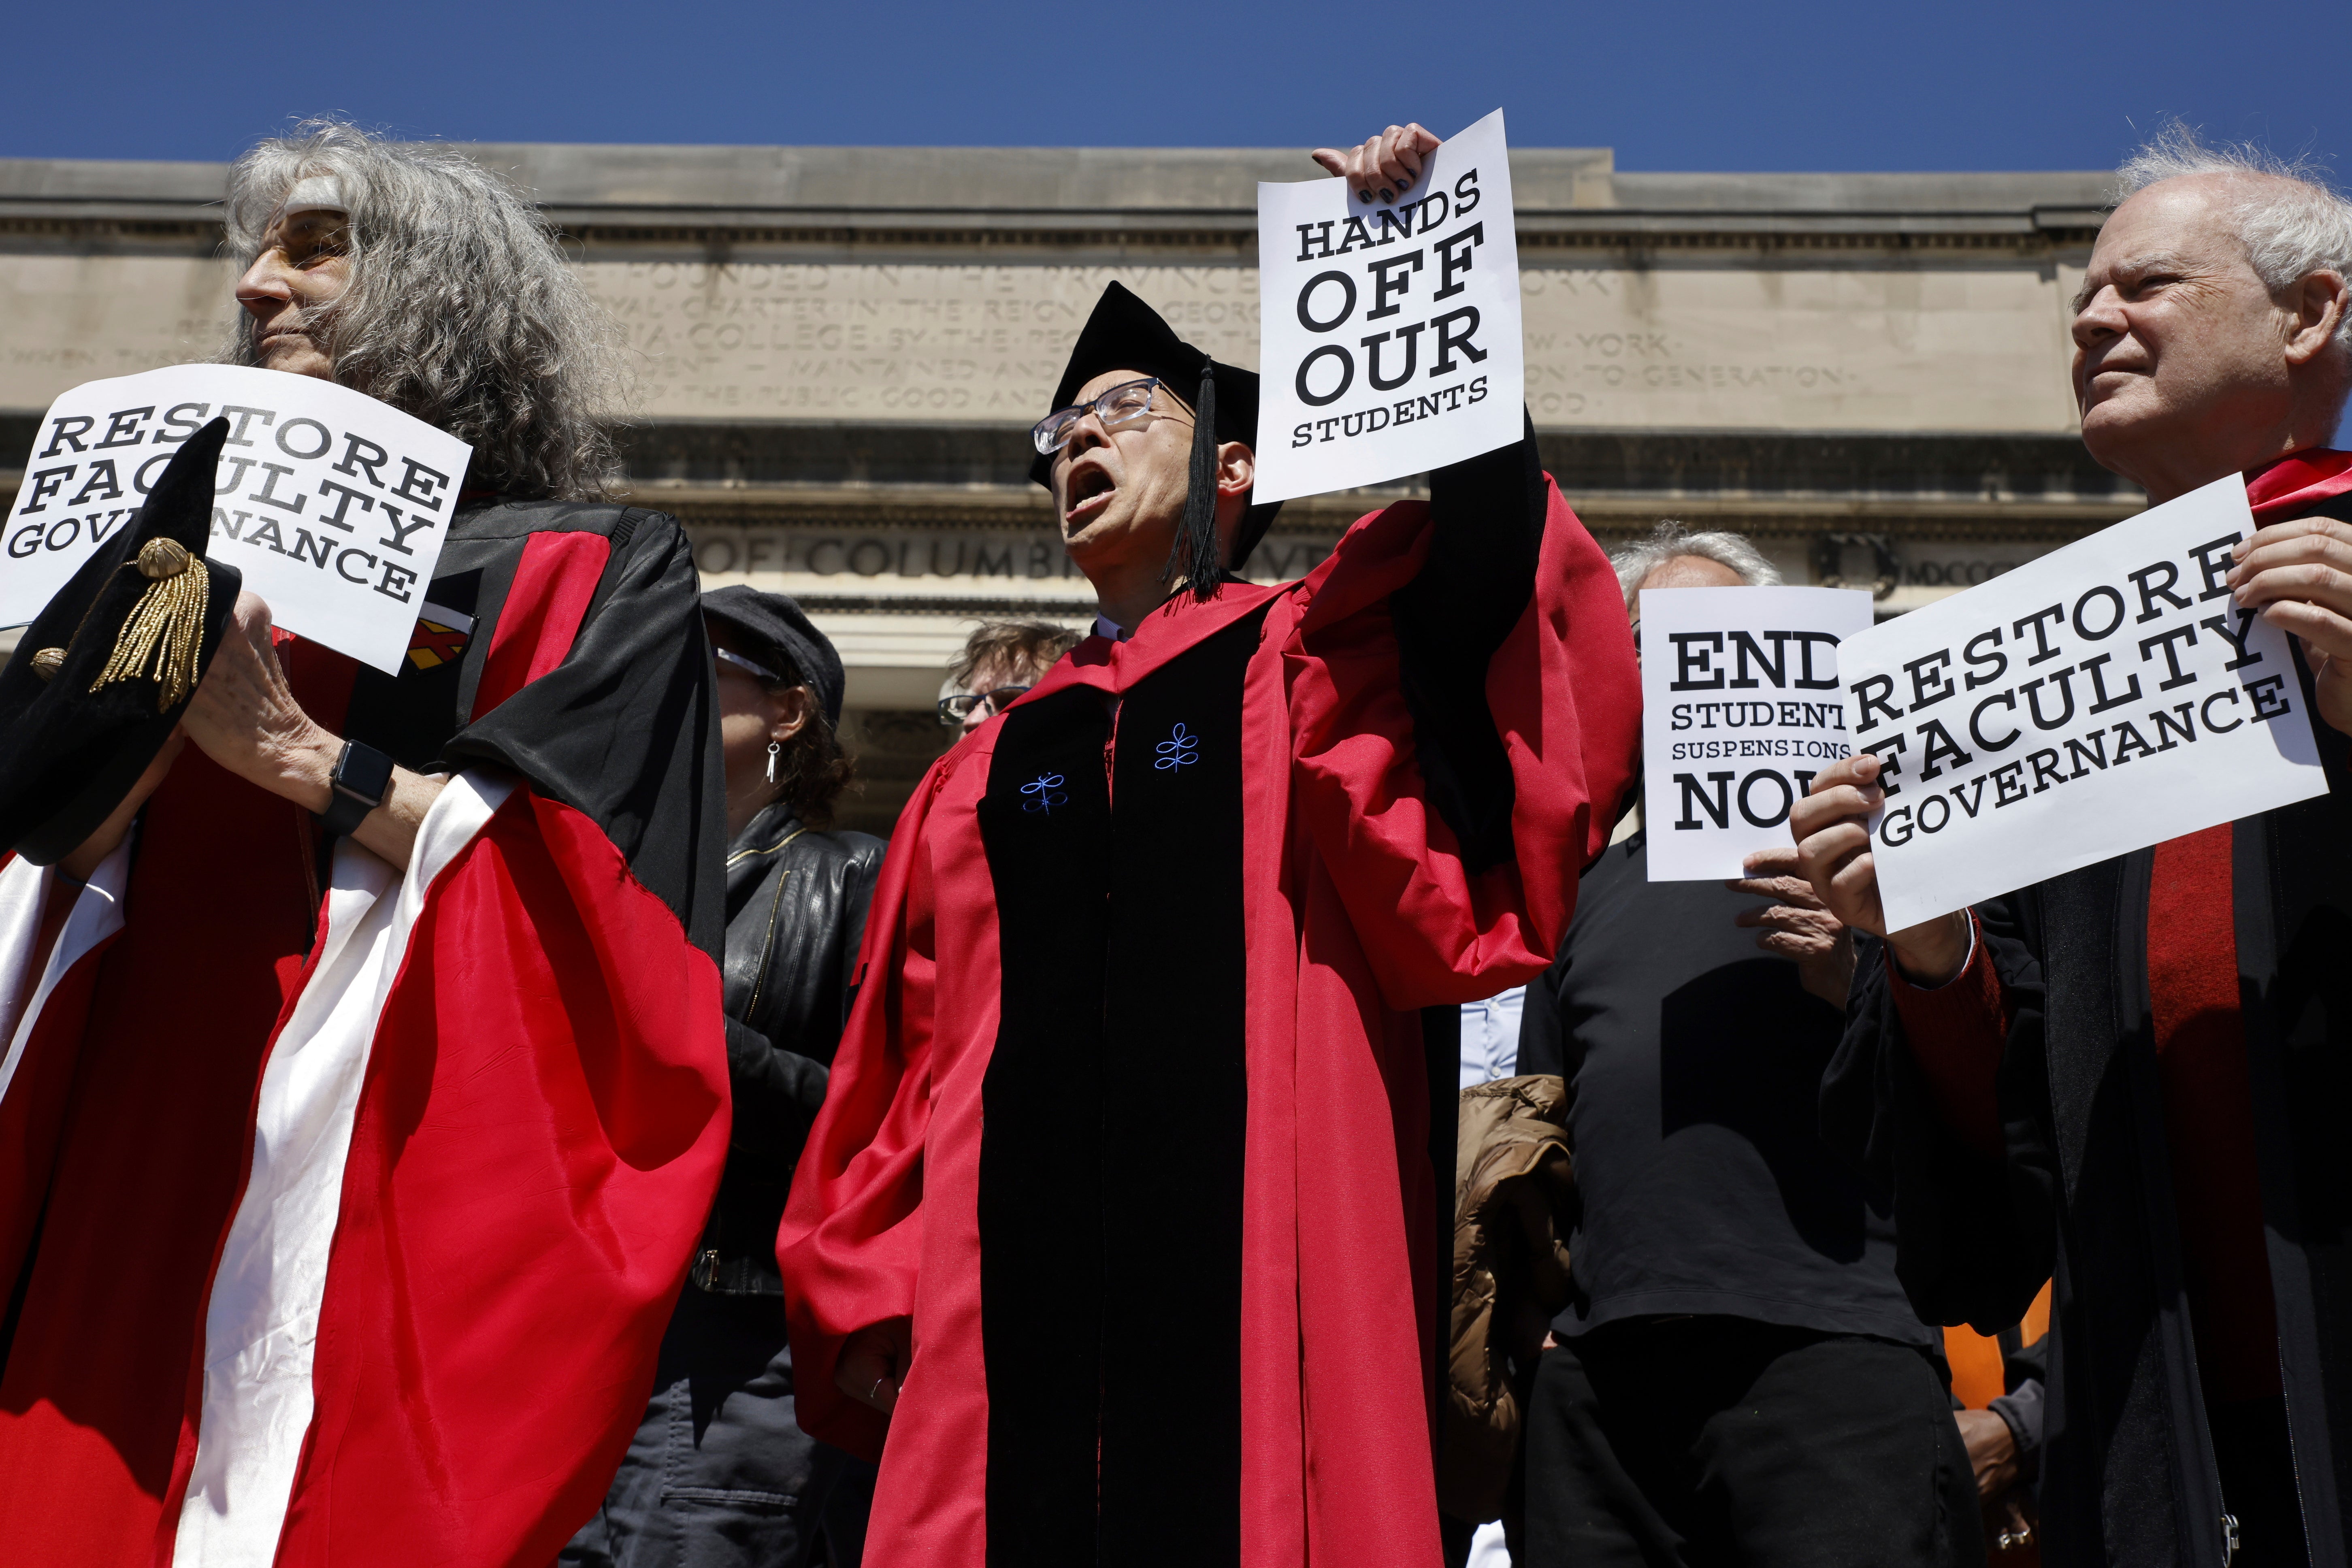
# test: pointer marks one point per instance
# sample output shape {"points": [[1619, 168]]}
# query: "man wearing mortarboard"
{"points": [[1120, 1221], [364, 1082]]}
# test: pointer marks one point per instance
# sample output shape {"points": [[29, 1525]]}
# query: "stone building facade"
{"points": [[840, 348]]}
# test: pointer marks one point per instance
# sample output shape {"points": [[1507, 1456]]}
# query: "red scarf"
{"points": [[2296, 483], [2201, 1047]]}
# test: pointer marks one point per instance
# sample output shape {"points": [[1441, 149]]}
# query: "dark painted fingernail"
{"points": [[1363, 196], [1405, 184], [1387, 194]]}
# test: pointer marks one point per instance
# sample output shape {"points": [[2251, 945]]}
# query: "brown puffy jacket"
{"points": [[1514, 1197]]}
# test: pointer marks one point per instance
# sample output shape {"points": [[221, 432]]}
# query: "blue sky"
{"points": [[1703, 86]]}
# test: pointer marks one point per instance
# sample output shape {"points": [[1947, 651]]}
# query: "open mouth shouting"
{"points": [[1089, 488]]}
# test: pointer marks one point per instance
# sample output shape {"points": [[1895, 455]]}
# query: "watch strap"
{"points": [[362, 775]]}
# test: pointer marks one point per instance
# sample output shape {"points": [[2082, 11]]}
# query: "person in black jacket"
{"points": [[719, 1473]]}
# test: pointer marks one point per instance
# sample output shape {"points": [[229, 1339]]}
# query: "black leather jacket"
{"points": [[797, 902]]}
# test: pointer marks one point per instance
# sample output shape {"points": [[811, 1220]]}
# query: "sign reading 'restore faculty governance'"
{"points": [[2104, 697], [332, 505], [1389, 332]]}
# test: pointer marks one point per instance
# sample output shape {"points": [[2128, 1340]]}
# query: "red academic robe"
{"points": [[343, 1208], [1131, 1115]]}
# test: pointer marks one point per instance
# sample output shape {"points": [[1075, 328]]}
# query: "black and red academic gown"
{"points": [[2137, 1089], [1131, 1115], [343, 1208]]}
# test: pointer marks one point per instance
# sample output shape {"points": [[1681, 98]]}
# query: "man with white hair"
{"points": [[368, 1083], [2136, 1074], [1673, 556]]}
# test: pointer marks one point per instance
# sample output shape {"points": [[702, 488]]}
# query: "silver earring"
{"points": [[773, 747]]}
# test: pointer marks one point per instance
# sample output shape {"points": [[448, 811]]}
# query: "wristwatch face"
{"points": [[362, 774]]}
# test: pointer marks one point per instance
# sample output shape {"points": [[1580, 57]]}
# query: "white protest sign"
{"points": [[1389, 332], [1741, 707], [2106, 696], [331, 504]]}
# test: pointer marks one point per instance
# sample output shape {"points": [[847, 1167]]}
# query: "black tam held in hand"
{"points": [[1125, 333], [101, 677]]}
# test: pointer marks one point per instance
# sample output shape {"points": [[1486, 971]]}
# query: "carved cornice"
{"points": [[73, 224]]}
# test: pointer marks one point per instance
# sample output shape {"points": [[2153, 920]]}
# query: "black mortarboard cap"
{"points": [[774, 621], [1125, 333], [101, 677]]}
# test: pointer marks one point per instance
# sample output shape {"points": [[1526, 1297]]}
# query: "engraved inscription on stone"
{"points": [[928, 562], [870, 342], [1706, 344], [1703, 345], [65, 318], [1939, 346], [1932, 565]]}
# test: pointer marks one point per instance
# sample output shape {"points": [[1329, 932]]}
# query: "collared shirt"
{"points": [[1490, 1037]]}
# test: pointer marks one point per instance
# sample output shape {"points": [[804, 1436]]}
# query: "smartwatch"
{"points": [[362, 776]]}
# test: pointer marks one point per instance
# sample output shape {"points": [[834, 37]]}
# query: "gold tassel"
{"points": [[166, 627]]}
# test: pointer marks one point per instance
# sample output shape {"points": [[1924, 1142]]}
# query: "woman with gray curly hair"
{"points": [[365, 1193], [416, 276]]}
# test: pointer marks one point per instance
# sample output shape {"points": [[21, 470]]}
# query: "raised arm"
{"points": [[1487, 529]]}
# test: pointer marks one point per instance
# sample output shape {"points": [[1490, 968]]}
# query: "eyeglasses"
{"points": [[953, 709], [1122, 405], [760, 673]]}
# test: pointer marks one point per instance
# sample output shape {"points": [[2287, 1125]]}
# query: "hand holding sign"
{"points": [[2298, 575], [1388, 312], [1797, 925], [1385, 166], [1832, 828]]}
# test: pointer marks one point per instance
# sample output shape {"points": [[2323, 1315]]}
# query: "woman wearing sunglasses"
{"points": [[719, 1473]]}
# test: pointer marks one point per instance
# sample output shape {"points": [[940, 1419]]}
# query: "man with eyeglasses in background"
{"points": [[999, 660], [1120, 1220]]}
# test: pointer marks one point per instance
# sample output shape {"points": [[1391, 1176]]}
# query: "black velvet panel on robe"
{"points": [[640, 668], [1046, 823], [1110, 1182], [1487, 519]]}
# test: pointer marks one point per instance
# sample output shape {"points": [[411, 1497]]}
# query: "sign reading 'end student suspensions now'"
{"points": [[2106, 696], [1389, 332], [332, 505], [1741, 707]]}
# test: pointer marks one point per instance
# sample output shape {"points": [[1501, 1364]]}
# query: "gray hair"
{"points": [[1025, 648], [461, 309], [2291, 219], [1645, 555]]}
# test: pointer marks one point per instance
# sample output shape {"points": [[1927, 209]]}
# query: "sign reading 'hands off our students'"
{"points": [[1389, 332], [332, 505], [2101, 698], [1740, 709]]}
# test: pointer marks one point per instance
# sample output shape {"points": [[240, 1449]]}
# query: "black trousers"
{"points": [[720, 1474], [1710, 1442]]}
